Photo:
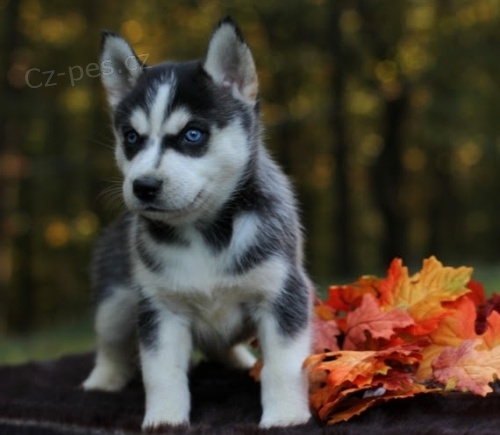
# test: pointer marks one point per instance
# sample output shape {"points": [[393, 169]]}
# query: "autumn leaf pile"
{"points": [[384, 338]]}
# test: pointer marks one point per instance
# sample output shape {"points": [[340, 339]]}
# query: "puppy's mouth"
{"points": [[193, 206]]}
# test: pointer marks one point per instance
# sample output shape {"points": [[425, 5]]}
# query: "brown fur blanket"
{"points": [[44, 398]]}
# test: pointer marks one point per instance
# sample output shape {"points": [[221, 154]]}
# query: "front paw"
{"points": [[285, 417], [155, 421], [162, 428]]}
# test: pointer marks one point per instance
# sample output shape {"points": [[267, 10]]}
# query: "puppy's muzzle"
{"points": [[147, 188]]}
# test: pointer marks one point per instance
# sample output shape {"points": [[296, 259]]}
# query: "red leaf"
{"points": [[369, 319], [477, 293], [484, 310], [348, 297], [325, 328], [325, 334]]}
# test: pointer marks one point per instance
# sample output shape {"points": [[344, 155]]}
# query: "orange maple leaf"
{"points": [[348, 297], [397, 276], [383, 375], [369, 321], [336, 414], [458, 325], [454, 328], [424, 293], [491, 338]]}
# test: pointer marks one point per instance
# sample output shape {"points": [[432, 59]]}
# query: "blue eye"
{"points": [[132, 137], [193, 136]]}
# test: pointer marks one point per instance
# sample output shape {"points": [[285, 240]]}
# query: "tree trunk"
{"points": [[343, 219], [9, 133], [387, 173], [387, 178]]}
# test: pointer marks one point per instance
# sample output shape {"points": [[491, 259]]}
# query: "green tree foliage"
{"points": [[383, 113]]}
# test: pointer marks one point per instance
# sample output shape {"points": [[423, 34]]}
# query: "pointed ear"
{"points": [[230, 63], [120, 67]]}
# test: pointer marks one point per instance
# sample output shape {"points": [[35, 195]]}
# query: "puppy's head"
{"points": [[184, 131]]}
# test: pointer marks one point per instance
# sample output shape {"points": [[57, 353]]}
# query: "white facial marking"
{"points": [[158, 110], [139, 121], [177, 120], [144, 163]]}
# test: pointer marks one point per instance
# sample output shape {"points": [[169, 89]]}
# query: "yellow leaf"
{"points": [[423, 294]]}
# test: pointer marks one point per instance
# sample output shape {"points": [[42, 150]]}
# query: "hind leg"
{"points": [[239, 357], [116, 342]]}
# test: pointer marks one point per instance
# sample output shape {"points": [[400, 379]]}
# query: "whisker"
{"points": [[112, 195], [106, 141]]}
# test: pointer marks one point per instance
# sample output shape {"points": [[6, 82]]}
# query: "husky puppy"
{"points": [[209, 253]]}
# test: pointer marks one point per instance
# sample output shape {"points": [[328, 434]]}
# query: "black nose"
{"points": [[147, 188]]}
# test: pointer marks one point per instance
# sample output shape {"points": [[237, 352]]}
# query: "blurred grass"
{"points": [[73, 337], [489, 276], [78, 336]]}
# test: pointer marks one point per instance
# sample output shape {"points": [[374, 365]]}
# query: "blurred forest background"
{"points": [[386, 114]]}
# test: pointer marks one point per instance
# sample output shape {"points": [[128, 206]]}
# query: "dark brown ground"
{"points": [[45, 398]]}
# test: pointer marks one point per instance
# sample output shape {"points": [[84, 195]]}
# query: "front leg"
{"points": [[285, 340], [165, 349]]}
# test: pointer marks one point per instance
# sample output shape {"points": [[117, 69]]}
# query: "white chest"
{"points": [[197, 283]]}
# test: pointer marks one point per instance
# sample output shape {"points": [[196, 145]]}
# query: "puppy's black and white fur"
{"points": [[209, 253]]}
